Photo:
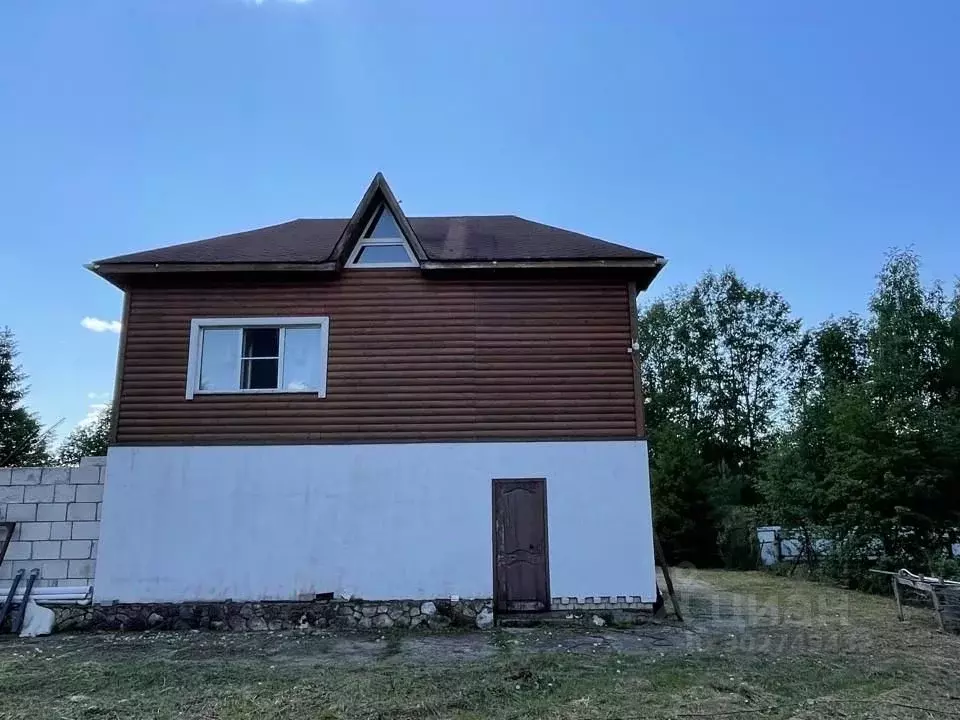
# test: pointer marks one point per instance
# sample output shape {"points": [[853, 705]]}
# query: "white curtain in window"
{"points": [[220, 359], [302, 361]]}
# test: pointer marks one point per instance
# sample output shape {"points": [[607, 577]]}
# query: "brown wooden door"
{"points": [[520, 573]]}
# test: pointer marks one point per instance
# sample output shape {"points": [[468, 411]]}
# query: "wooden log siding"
{"points": [[410, 359]]}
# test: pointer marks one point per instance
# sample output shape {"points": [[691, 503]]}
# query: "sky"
{"points": [[795, 142]]}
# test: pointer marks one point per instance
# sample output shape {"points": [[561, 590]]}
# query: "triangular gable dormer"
{"points": [[382, 244], [379, 234]]}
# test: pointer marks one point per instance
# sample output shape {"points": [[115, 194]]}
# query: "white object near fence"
{"points": [[37, 621]]}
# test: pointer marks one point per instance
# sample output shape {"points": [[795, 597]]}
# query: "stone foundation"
{"points": [[336, 614]]}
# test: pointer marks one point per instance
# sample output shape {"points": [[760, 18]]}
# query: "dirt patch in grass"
{"points": [[755, 646]]}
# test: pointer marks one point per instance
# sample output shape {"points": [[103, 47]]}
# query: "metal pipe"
{"points": [[19, 596], [10, 593], [55, 590], [22, 610], [61, 590], [76, 595], [60, 601], [35, 596]]}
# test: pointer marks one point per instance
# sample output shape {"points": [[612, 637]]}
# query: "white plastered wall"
{"points": [[374, 521]]}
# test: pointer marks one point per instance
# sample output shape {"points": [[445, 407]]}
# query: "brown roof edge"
{"points": [[115, 272], [378, 190], [644, 270]]}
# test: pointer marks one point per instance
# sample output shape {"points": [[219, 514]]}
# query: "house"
{"points": [[381, 407]]}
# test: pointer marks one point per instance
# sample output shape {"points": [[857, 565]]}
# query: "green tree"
{"points": [[892, 458], [828, 361], [870, 458], [22, 440], [87, 440], [714, 360]]}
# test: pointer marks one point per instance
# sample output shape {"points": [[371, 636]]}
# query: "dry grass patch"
{"points": [[753, 649]]}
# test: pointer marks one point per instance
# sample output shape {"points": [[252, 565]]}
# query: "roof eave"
{"points": [[118, 273], [643, 270]]}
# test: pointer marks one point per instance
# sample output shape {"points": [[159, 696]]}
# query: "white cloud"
{"points": [[98, 396], [99, 326], [93, 412]]}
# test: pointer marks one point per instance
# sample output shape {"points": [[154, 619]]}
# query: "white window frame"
{"points": [[366, 242], [197, 325]]}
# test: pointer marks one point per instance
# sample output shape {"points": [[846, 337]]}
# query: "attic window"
{"points": [[382, 244]]}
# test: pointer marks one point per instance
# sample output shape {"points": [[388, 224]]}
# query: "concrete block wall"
{"points": [[57, 511]]}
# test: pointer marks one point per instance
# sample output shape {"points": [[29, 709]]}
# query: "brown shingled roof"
{"points": [[469, 243], [472, 238]]}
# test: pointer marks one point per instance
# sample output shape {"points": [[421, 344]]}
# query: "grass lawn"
{"points": [[754, 646]]}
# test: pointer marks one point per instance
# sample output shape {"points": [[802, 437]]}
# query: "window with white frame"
{"points": [[258, 355], [382, 244]]}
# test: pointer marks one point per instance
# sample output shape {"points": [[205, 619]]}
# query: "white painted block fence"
{"points": [[790, 543], [57, 511]]}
